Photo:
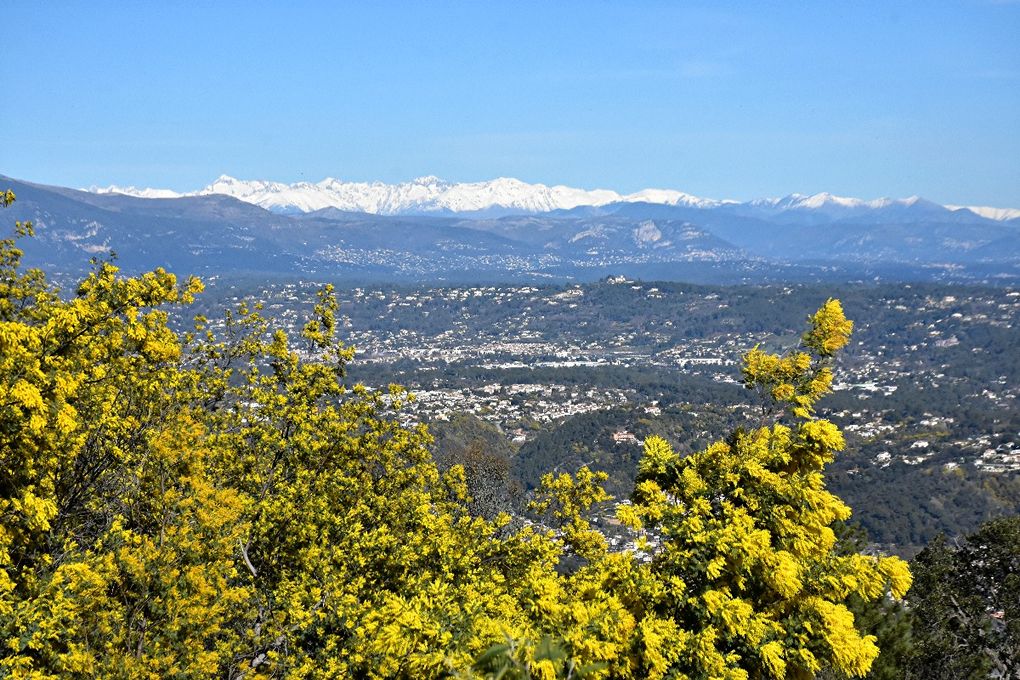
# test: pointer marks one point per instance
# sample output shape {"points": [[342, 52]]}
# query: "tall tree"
{"points": [[747, 581], [966, 602]]}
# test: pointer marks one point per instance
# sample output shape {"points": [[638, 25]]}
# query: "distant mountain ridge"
{"points": [[505, 195], [786, 240], [422, 195]]}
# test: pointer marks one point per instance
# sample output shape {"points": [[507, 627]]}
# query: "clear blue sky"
{"points": [[726, 100]]}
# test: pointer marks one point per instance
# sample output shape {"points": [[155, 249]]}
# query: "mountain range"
{"points": [[431, 195], [510, 231]]}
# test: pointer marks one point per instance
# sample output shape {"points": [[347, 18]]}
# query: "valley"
{"points": [[555, 377], [563, 338]]}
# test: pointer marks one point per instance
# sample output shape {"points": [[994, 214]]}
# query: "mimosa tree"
{"points": [[218, 504]]}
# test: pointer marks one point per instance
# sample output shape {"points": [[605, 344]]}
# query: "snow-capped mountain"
{"points": [[651, 234], [422, 195], [505, 194], [827, 201], [133, 191], [997, 214]]}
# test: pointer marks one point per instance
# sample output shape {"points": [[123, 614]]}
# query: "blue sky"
{"points": [[725, 100]]}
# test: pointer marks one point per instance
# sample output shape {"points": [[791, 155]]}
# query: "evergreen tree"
{"points": [[966, 602]]}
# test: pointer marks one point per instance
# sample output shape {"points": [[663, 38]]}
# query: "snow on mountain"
{"points": [[671, 197], [431, 194], [997, 214], [827, 201], [424, 194], [132, 191]]}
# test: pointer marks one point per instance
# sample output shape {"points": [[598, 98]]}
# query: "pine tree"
{"points": [[966, 602]]}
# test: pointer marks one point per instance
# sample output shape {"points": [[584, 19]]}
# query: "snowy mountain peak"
{"points": [[133, 191], [672, 197], [427, 179], [997, 214], [430, 194], [826, 199], [832, 204]]}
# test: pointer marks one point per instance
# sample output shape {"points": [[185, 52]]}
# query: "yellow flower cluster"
{"points": [[205, 505]]}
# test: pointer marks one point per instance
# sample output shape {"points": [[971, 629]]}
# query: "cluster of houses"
{"points": [[397, 327]]}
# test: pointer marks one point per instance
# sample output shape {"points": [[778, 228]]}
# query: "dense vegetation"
{"points": [[198, 505], [966, 603], [902, 507], [195, 505]]}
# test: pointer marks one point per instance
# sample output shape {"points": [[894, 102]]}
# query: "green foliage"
{"points": [[484, 454], [966, 602], [227, 505]]}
